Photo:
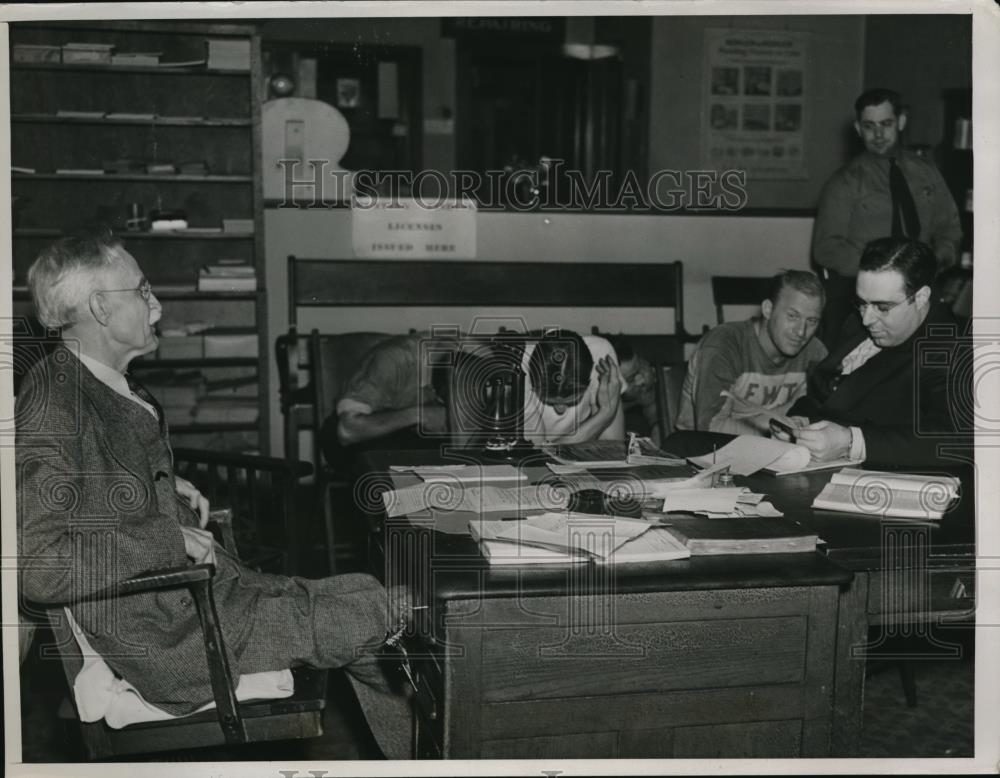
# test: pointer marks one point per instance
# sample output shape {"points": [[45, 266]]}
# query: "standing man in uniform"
{"points": [[884, 191]]}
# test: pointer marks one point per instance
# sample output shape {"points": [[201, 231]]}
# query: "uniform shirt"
{"points": [[856, 207], [730, 358]]}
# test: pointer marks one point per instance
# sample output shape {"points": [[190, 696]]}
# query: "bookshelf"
{"points": [[81, 136]]}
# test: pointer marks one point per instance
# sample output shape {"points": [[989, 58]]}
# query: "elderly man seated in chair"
{"points": [[98, 503]]}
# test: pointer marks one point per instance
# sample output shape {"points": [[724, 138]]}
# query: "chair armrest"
{"points": [[294, 469], [163, 579]]}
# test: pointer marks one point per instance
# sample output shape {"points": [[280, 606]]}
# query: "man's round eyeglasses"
{"points": [[882, 309], [145, 289]]}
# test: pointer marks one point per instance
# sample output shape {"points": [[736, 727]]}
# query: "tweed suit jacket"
{"points": [[97, 504], [904, 404]]}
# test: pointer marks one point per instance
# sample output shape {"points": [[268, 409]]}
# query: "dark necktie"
{"points": [[905, 222], [143, 394]]}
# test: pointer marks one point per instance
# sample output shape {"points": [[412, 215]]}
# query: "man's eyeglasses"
{"points": [[145, 289], [882, 309]]}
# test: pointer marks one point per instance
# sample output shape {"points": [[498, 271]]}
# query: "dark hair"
{"points": [[560, 366], [623, 349], [877, 96], [803, 281], [913, 260]]}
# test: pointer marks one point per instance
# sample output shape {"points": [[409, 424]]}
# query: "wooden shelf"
{"points": [[157, 121], [169, 178], [159, 114], [193, 70], [49, 232]]}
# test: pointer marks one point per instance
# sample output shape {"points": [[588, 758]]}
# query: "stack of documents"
{"points": [[560, 538], [448, 496], [899, 495]]}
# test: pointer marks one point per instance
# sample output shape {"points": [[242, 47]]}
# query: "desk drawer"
{"points": [[913, 595], [519, 665]]}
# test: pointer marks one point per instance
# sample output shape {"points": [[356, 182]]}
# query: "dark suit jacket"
{"points": [[97, 504], [903, 398]]}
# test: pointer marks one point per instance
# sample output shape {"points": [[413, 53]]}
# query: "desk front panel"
{"points": [[723, 673]]}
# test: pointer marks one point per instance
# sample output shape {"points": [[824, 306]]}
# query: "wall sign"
{"points": [[753, 106], [403, 228], [534, 27]]}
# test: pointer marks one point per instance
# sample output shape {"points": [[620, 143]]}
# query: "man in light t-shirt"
{"points": [[742, 368], [573, 389]]}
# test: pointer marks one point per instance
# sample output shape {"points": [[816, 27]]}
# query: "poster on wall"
{"points": [[754, 102]]}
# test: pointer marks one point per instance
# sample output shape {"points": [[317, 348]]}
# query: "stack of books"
{"points": [[87, 53], [232, 275], [226, 410], [228, 54]]}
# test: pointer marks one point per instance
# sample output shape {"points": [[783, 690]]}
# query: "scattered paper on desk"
{"points": [[710, 500], [469, 474], [746, 454]]}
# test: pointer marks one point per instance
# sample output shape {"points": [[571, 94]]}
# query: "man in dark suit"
{"points": [[873, 398], [98, 503]]}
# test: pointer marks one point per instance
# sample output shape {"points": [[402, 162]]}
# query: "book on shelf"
{"points": [[176, 389], [895, 495], [136, 58], [187, 63], [180, 347], [161, 168], [87, 53], [746, 454], [238, 225], [36, 53], [79, 171], [704, 536], [226, 410], [231, 342], [193, 168], [203, 230], [226, 54], [28, 171], [130, 116], [226, 284], [561, 538], [65, 113], [229, 268]]}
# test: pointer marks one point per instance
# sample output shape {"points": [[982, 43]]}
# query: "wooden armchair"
{"points": [[250, 485]]}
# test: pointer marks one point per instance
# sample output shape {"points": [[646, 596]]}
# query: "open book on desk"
{"points": [[561, 538], [746, 454], [897, 495]]}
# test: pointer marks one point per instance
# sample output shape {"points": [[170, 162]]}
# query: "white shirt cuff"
{"points": [[857, 451]]}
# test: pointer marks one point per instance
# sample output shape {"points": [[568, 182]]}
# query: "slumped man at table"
{"points": [[873, 398]]}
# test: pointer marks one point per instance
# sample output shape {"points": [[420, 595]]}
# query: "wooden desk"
{"points": [[908, 579], [706, 657]]}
